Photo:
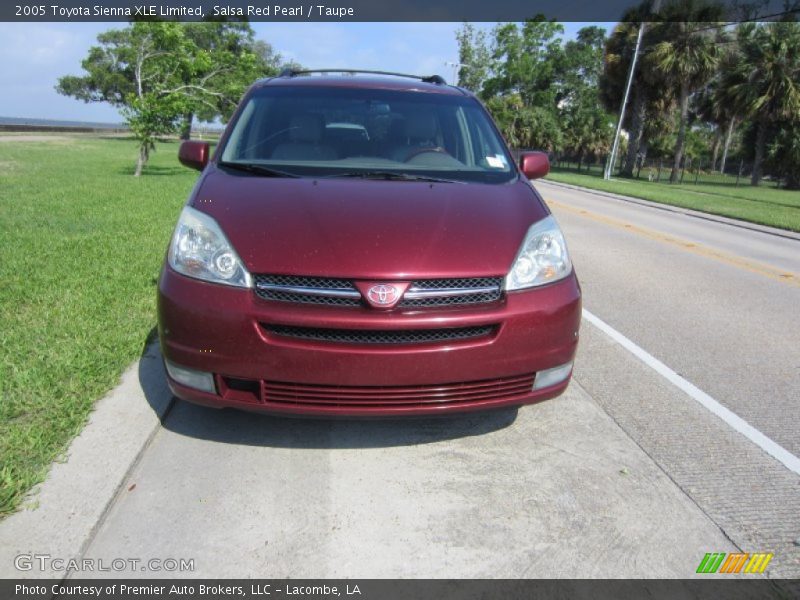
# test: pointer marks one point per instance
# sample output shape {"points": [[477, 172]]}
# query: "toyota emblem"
{"points": [[383, 295]]}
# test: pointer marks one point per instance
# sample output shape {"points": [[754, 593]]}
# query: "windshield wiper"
{"points": [[390, 176], [257, 169]]}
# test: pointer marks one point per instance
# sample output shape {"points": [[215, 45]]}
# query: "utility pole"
{"points": [[613, 158], [456, 66]]}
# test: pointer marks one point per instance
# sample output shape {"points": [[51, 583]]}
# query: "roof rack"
{"points": [[291, 72]]}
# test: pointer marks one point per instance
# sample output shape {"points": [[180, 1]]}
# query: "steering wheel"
{"points": [[416, 152]]}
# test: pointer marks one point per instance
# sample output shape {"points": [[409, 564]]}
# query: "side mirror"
{"points": [[534, 164], [194, 154]]}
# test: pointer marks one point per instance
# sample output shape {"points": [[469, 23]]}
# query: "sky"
{"points": [[34, 55]]}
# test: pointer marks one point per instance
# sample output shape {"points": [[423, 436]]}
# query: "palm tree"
{"points": [[618, 56], [645, 93], [687, 58], [764, 83], [714, 106]]}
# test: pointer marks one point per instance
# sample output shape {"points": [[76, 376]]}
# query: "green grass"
{"points": [[715, 194], [82, 244]]}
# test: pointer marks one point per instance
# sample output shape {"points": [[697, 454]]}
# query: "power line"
{"points": [[732, 23]]}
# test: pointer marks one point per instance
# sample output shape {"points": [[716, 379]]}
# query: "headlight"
{"points": [[543, 257], [199, 249]]}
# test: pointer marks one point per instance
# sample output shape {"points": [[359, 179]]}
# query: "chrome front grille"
{"points": [[307, 290], [449, 292], [424, 293], [380, 336]]}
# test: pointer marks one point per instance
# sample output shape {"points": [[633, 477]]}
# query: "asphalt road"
{"points": [[718, 304], [626, 475]]}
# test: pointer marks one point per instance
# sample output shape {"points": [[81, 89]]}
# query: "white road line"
{"points": [[789, 460]]}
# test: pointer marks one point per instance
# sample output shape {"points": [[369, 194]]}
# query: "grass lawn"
{"points": [[716, 194], [82, 244]]}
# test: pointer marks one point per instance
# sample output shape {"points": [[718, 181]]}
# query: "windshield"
{"points": [[339, 132]]}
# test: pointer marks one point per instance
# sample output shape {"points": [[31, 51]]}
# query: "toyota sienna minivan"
{"points": [[364, 244]]}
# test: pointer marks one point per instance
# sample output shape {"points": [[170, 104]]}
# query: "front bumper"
{"points": [[225, 331]]}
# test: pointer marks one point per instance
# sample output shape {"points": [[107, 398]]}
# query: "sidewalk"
{"points": [[63, 513]]}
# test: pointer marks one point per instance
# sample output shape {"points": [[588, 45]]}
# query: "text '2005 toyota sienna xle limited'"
{"points": [[365, 245]]}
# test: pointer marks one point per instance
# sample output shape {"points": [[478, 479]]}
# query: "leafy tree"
{"points": [[587, 127], [587, 132], [713, 106], [226, 60], [532, 127], [139, 70], [661, 144], [687, 57], [581, 62], [783, 155], [110, 71], [542, 93], [158, 73], [764, 82], [474, 57], [696, 145], [649, 98], [525, 60], [521, 87]]}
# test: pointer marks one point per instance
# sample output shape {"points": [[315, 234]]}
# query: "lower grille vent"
{"points": [[359, 336], [275, 392]]}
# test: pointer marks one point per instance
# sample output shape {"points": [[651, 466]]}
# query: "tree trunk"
{"points": [[715, 148], [639, 110], [186, 127], [793, 180], [144, 154], [728, 136], [761, 140], [681, 141]]}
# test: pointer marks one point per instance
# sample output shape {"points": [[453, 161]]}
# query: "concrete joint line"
{"points": [[661, 468], [121, 487]]}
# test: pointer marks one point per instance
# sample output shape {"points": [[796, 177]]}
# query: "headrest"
{"points": [[421, 126], [306, 128]]}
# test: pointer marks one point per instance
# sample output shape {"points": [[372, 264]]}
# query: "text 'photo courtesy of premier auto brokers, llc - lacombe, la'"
{"points": [[180, 590]]}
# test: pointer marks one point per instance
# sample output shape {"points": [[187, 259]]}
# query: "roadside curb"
{"points": [[69, 506], [784, 233]]}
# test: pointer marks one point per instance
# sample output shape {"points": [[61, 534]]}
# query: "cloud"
{"points": [[34, 56], [401, 47], [311, 44]]}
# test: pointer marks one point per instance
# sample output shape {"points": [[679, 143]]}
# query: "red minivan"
{"points": [[364, 244]]}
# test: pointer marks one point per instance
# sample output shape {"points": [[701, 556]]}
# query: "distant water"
{"points": [[202, 127], [57, 123]]}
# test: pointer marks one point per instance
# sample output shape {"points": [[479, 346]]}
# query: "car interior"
{"points": [[370, 132]]}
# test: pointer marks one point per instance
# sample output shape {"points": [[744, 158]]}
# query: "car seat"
{"points": [[420, 132], [305, 137]]}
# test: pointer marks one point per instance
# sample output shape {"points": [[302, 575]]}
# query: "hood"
{"points": [[368, 229]]}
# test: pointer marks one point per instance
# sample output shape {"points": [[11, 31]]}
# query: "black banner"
{"points": [[389, 589]]}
